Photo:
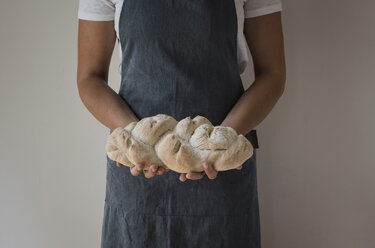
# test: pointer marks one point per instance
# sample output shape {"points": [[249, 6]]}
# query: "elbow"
{"points": [[84, 82], [282, 83], [279, 80], [80, 83], [83, 85]]}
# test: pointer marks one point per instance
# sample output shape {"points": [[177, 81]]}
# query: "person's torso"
{"points": [[242, 56], [179, 58]]}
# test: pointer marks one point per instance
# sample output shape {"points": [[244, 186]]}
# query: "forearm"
{"points": [[256, 103], [104, 103]]}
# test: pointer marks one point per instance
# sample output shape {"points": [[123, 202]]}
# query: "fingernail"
{"points": [[188, 176], [205, 165], [153, 169]]}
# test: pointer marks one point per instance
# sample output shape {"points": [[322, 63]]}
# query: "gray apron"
{"points": [[180, 58]]}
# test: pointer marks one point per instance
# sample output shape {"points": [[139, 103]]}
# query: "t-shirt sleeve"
{"points": [[253, 8], [96, 10]]}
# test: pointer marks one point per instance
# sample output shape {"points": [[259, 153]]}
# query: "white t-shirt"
{"points": [[107, 10]]}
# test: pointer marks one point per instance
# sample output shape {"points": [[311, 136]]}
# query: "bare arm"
{"points": [[264, 37], [96, 40], [265, 40]]}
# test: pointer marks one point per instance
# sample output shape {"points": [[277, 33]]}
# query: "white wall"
{"points": [[316, 157]]}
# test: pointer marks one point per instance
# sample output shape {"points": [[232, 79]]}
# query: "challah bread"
{"points": [[180, 146]]}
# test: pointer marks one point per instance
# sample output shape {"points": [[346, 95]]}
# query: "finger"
{"points": [[210, 171], [239, 167], [183, 177], [151, 171], [160, 170], [136, 170], [195, 175]]}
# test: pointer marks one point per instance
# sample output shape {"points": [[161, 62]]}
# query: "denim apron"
{"points": [[179, 58]]}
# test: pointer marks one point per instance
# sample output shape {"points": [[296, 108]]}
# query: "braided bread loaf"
{"points": [[180, 146]]}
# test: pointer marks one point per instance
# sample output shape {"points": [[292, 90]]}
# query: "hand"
{"points": [[208, 169], [137, 169]]}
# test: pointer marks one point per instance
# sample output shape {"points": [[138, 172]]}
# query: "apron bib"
{"points": [[179, 58]]}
